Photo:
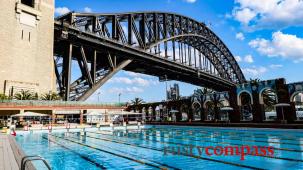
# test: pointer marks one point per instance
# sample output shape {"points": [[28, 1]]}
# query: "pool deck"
{"points": [[225, 124], [7, 158]]}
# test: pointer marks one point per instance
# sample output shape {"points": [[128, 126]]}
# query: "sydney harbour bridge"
{"points": [[165, 45]]}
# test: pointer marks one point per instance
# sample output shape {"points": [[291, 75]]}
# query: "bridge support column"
{"points": [[97, 85], [67, 61]]}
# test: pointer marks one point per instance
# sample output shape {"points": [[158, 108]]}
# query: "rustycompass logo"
{"points": [[199, 151]]}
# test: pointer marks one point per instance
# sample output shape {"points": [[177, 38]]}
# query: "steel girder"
{"points": [[175, 38]]}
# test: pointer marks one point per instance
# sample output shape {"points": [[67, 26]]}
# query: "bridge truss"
{"points": [[154, 43]]}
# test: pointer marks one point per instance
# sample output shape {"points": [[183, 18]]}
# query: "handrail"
{"points": [[57, 103], [26, 159]]}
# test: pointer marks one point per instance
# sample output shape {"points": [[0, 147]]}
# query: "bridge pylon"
{"points": [[26, 47]]}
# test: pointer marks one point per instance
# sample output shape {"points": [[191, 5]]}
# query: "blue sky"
{"points": [[265, 36]]}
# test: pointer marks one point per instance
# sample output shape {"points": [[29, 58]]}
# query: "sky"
{"points": [[265, 37]]}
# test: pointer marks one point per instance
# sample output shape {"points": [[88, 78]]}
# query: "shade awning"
{"points": [[67, 112], [94, 114], [123, 113], [30, 114]]}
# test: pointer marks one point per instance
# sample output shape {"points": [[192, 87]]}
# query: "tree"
{"points": [[4, 97], [50, 96], [216, 104], [25, 95], [199, 95], [255, 81], [137, 101], [269, 99]]}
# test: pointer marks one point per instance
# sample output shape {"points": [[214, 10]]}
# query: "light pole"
{"points": [[166, 110], [166, 87], [119, 97], [99, 96]]}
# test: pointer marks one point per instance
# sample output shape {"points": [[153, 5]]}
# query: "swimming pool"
{"points": [[156, 147]]}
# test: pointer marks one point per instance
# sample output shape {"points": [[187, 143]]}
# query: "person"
{"points": [[14, 132]]}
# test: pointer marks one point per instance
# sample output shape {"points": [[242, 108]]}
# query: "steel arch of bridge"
{"points": [[154, 43]]}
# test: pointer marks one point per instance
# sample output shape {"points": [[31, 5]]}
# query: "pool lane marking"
{"points": [[162, 164], [175, 143], [118, 155], [225, 130], [216, 134], [246, 140], [234, 138], [205, 131], [177, 131], [283, 149], [286, 149], [222, 132], [86, 158], [192, 156], [234, 134]]}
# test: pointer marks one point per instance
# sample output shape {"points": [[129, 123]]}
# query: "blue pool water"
{"points": [[145, 148]]}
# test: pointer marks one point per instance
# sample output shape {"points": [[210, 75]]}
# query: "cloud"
{"points": [[248, 59], [240, 36], [88, 10], [238, 58], [133, 74], [257, 72], [254, 71], [133, 81], [258, 14], [282, 45], [190, 1], [244, 15], [61, 10], [128, 90], [274, 66]]}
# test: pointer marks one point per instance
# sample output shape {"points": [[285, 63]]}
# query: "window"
{"points": [[30, 3]]}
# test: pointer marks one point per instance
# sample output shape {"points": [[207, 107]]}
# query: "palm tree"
{"points": [[50, 96], [25, 95], [217, 104], [137, 101], [255, 81], [269, 99], [200, 94], [269, 96], [4, 97]]}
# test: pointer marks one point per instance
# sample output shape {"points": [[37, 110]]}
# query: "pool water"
{"points": [[156, 147]]}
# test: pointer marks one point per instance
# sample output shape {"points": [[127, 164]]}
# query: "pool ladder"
{"points": [[33, 158]]}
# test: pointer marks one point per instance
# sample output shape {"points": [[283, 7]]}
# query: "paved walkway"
{"points": [[7, 158]]}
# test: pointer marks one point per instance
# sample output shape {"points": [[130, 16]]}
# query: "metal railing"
{"points": [[33, 158], [54, 103]]}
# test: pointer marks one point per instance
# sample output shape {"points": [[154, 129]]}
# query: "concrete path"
{"points": [[7, 158]]}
